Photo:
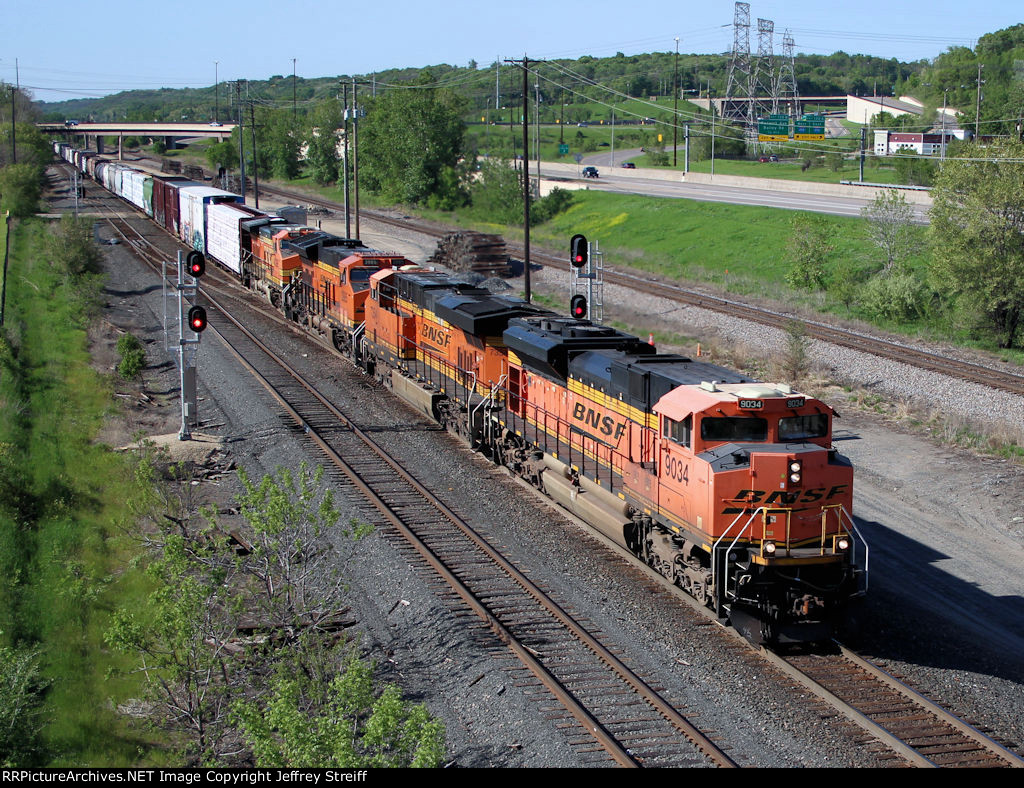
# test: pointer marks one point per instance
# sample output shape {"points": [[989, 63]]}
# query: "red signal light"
{"points": [[578, 250], [197, 319], [196, 264], [578, 306]]}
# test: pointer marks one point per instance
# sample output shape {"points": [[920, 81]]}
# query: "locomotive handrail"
{"points": [[854, 531]]}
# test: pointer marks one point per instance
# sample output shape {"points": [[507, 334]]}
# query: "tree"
{"points": [[349, 729], [913, 169], [223, 154], [410, 145], [20, 189], [71, 246], [294, 582], [977, 230], [283, 141], [809, 245], [322, 139], [21, 697], [181, 640], [890, 226]]}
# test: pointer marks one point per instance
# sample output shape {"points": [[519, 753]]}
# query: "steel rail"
{"points": [[582, 715], [856, 712]]}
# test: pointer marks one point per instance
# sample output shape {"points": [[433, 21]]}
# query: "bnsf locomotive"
{"points": [[727, 486]]}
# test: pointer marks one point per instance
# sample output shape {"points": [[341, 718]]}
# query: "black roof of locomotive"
{"points": [[473, 309], [546, 343], [612, 361], [322, 246], [642, 380]]}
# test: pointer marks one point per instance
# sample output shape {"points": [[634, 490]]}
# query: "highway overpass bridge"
{"points": [[171, 132]]}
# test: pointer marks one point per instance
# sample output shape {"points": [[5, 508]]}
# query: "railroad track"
{"points": [[1004, 380], [614, 707], [912, 726], [612, 710], [904, 721]]}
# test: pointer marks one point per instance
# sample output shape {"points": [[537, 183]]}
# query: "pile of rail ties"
{"points": [[479, 253]]}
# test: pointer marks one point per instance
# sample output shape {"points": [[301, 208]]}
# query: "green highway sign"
{"points": [[774, 128], [809, 127]]}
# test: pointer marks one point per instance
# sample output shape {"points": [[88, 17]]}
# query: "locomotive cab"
{"points": [[755, 467]]}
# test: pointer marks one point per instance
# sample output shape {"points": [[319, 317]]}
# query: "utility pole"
{"points": [[216, 91], [294, 108], [344, 133], [536, 128], [686, 148], [255, 156], [355, 154], [526, 180], [675, 107], [241, 139], [863, 139], [977, 106], [525, 65]]}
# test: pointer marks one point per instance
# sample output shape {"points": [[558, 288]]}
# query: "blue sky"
{"points": [[78, 48]]}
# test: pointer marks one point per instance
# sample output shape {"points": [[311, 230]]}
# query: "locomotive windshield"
{"points": [[803, 427], [733, 429], [360, 277]]}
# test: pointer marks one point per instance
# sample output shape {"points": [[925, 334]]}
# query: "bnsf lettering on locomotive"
{"points": [[794, 496], [436, 335], [606, 425]]}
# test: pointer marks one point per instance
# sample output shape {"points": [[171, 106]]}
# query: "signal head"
{"points": [[197, 319], [196, 264], [579, 251], [578, 306]]}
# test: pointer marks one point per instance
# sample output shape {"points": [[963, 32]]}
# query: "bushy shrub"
{"points": [[133, 357], [900, 296]]}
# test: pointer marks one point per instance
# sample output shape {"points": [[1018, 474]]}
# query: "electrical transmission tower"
{"points": [[738, 104], [764, 84], [787, 90]]}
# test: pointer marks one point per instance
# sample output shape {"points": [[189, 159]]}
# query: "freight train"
{"points": [[727, 486]]}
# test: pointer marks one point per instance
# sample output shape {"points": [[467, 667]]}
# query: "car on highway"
{"points": [[590, 172], [628, 165]]}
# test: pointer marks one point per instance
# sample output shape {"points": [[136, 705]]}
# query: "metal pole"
{"points": [[675, 107], [183, 433], [344, 131], [943, 157], [863, 142], [613, 138], [255, 156], [355, 155], [216, 91], [686, 149], [526, 180], [977, 106], [536, 128], [241, 140], [712, 141], [294, 108]]}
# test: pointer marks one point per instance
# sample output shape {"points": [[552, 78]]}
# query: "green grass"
{"points": [[684, 239], [791, 170], [63, 545]]}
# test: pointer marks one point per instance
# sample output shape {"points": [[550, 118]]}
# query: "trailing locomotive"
{"points": [[727, 486]]}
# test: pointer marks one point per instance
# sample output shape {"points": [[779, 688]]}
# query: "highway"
{"points": [[787, 195]]}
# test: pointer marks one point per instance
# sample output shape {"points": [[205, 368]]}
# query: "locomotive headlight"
{"points": [[769, 548], [842, 543], [795, 471]]}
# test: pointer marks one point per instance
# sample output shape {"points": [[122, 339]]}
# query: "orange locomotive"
{"points": [[727, 486]]}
